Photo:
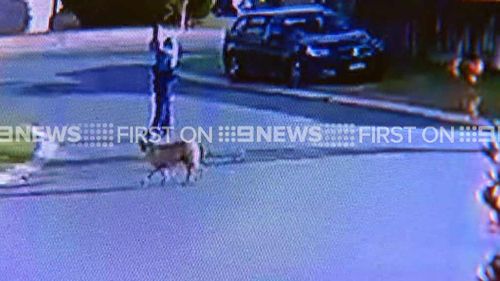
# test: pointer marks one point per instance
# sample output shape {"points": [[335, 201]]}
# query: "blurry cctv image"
{"points": [[264, 140]]}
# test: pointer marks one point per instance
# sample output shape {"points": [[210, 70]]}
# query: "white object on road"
{"points": [[45, 150]]}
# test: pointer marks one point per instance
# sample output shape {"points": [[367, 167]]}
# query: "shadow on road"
{"points": [[214, 160], [66, 192], [134, 79]]}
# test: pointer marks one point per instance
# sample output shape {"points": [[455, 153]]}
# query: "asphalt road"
{"points": [[262, 211]]}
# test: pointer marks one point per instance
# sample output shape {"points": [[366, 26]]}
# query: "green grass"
{"points": [[212, 21], [413, 76], [15, 152], [433, 86], [490, 90], [208, 64]]}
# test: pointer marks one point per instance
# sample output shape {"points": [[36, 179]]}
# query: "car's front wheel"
{"points": [[295, 73], [233, 68]]}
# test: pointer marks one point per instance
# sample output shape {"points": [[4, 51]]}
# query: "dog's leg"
{"points": [[189, 172], [166, 177], [199, 173], [148, 177]]}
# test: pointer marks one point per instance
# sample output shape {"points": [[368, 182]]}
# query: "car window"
{"points": [[240, 25], [275, 29], [257, 20], [294, 21], [335, 23], [308, 23], [256, 26], [313, 23]]}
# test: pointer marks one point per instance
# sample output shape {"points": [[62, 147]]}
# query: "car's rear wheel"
{"points": [[295, 75]]}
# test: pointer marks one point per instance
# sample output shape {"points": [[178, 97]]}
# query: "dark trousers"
{"points": [[161, 118]]}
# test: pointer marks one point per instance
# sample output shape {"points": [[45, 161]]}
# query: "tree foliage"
{"points": [[14, 16], [133, 12], [392, 10]]}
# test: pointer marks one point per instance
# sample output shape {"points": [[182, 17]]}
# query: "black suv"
{"points": [[297, 44]]}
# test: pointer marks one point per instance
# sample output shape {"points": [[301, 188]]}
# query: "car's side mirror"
{"points": [[232, 32]]}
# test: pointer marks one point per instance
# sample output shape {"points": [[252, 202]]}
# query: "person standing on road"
{"points": [[163, 77]]}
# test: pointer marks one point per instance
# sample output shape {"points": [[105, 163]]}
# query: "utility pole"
{"points": [[53, 14]]}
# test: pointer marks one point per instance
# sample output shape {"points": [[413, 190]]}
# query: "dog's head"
{"points": [[144, 145]]}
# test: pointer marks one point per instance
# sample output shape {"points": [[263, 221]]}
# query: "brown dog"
{"points": [[165, 158]]}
